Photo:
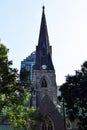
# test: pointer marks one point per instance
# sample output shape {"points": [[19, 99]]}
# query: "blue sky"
{"points": [[67, 28]]}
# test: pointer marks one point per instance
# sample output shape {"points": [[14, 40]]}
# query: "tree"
{"points": [[74, 93], [14, 95], [24, 74]]}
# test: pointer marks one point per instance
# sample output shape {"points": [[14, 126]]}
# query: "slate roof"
{"points": [[43, 50]]}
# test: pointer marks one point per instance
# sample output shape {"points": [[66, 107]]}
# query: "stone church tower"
{"points": [[44, 81]]}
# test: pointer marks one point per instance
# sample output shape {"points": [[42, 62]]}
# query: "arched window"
{"points": [[43, 126], [50, 127], [47, 125], [44, 83]]}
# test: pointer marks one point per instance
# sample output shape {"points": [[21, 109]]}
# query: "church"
{"points": [[44, 99]]}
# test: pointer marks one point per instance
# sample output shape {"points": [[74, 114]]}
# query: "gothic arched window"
{"points": [[44, 83], [50, 127], [47, 125], [44, 126]]}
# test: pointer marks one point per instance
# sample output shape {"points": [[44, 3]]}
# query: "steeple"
{"points": [[43, 50], [43, 36], [44, 83]]}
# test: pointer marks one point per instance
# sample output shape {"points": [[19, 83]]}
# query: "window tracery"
{"points": [[47, 125]]}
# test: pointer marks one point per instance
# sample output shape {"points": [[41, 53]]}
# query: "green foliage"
{"points": [[74, 92], [24, 75], [14, 95]]}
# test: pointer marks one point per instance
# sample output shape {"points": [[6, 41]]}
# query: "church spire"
{"points": [[43, 36], [43, 50]]}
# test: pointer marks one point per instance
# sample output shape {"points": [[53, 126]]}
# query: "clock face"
{"points": [[44, 67]]}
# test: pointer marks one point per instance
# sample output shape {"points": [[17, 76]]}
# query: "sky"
{"points": [[67, 28]]}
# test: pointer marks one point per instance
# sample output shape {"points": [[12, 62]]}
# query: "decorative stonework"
{"points": [[48, 109], [51, 88]]}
